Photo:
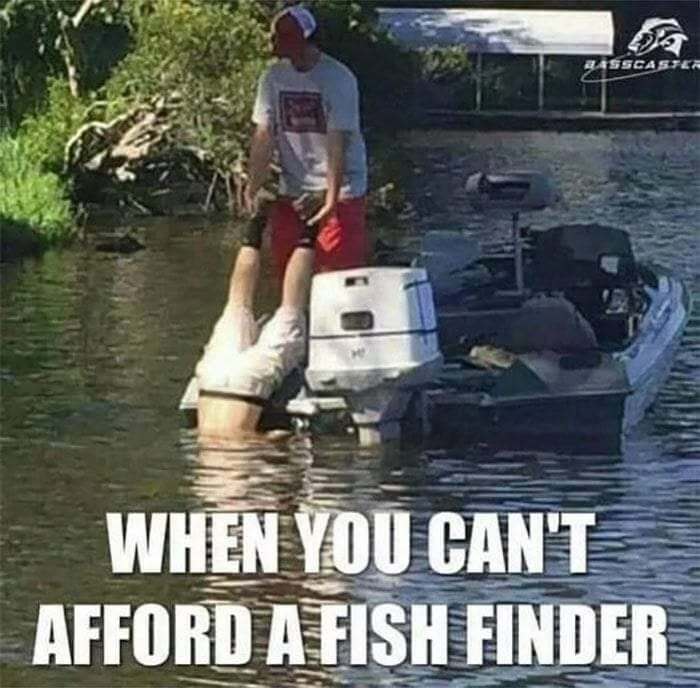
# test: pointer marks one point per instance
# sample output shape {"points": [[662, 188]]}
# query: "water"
{"points": [[97, 349]]}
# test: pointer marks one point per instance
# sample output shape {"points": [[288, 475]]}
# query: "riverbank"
{"points": [[35, 209], [40, 209], [99, 129]]}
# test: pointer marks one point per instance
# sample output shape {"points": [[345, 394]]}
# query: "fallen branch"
{"points": [[114, 147], [83, 11], [210, 192]]}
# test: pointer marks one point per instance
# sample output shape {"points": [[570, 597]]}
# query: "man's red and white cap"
{"points": [[303, 17]]}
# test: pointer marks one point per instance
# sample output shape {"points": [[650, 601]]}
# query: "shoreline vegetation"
{"points": [[142, 107]]}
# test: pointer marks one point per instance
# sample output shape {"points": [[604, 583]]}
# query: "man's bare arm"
{"points": [[259, 163], [336, 161], [335, 142]]}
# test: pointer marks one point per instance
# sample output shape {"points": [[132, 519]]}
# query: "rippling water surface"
{"points": [[96, 350]]}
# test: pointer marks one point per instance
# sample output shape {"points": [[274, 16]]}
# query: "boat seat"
{"points": [[539, 323]]}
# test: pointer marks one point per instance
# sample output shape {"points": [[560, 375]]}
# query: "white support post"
{"points": [[604, 87], [540, 82], [478, 82]]}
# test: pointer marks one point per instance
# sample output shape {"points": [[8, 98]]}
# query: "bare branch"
{"points": [[84, 11]]}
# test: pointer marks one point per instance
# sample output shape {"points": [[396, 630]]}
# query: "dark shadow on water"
{"points": [[18, 240]]}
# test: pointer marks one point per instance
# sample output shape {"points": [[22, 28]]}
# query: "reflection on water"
{"points": [[97, 349]]}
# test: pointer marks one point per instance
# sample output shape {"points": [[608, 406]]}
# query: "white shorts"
{"points": [[252, 372]]}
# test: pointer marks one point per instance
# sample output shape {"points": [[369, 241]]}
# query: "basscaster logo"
{"points": [[655, 39]]}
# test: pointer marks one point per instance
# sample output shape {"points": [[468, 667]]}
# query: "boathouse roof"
{"points": [[534, 32]]}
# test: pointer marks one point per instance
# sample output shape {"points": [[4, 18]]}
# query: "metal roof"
{"points": [[534, 32]]}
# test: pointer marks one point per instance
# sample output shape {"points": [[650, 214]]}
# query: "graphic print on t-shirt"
{"points": [[302, 112]]}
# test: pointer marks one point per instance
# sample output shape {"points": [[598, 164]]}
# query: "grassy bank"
{"points": [[35, 211]]}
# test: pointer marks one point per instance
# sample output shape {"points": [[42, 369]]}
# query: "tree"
{"points": [[79, 40]]}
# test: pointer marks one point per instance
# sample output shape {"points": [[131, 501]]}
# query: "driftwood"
{"points": [[137, 158], [136, 143], [117, 147]]}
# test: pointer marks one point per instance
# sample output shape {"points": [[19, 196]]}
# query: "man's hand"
{"points": [[250, 202], [336, 142], [320, 217], [256, 201], [313, 207]]}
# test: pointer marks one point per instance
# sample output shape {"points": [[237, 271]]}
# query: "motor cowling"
{"points": [[369, 327]]}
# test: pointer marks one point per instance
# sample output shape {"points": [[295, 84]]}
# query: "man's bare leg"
{"points": [[244, 278], [297, 279], [223, 418], [235, 331]]}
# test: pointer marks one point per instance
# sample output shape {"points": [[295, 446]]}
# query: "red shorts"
{"points": [[342, 242]]}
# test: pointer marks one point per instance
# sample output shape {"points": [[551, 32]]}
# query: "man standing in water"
{"points": [[307, 109]]}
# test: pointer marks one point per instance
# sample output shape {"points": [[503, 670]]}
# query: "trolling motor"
{"points": [[514, 192]]}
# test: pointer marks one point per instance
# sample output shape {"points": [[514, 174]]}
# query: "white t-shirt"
{"points": [[301, 107]]}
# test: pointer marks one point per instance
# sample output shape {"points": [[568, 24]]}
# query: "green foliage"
{"points": [[31, 54], [34, 200], [44, 135], [26, 58], [510, 82], [563, 89], [445, 65], [447, 76], [206, 57], [203, 57]]}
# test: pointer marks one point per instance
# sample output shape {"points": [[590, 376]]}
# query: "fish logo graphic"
{"points": [[655, 33]]}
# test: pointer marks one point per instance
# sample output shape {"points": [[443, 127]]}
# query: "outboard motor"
{"points": [[373, 340]]}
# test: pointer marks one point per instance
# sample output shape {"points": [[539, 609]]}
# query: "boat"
{"points": [[561, 342]]}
